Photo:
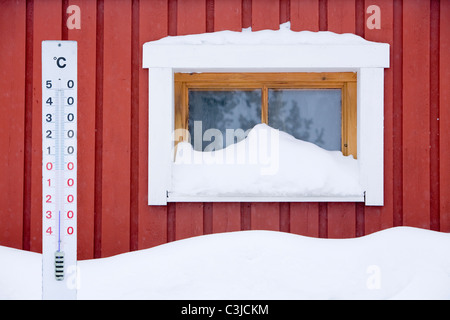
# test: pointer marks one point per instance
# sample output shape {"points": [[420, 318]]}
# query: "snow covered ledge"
{"points": [[266, 51]]}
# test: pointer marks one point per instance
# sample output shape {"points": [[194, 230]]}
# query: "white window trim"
{"points": [[368, 59]]}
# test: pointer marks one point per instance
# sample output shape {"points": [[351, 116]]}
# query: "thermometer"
{"points": [[59, 169]]}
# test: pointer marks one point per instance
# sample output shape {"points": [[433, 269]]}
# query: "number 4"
{"points": [[49, 230]]}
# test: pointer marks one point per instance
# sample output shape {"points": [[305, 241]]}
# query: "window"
{"points": [[315, 107], [268, 52]]}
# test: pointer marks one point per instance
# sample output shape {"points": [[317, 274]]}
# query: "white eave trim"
{"points": [[282, 57]]}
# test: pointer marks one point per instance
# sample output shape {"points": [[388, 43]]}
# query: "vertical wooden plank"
{"points": [[100, 20], [285, 11], [416, 113], [397, 69], [12, 109], [305, 15], [341, 217], [434, 115], [116, 128], [191, 19], [189, 220], [341, 16], [305, 219], [323, 15], [265, 14], [444, 116], [378, 218], [134, 137], [285, 216], [341, 220], [210, 4], [228, 15], [360, 18], [86, 39], [152, 223], [265, 216], [246, 13], [226, 217], [207, 217], [46, 26], [29, 25]]}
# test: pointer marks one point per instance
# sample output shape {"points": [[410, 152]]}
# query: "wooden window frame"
{"points": [[345, 81]]}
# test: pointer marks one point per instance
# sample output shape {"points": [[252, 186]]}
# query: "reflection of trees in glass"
{"points": [[309, 115], [224, 110], [290, 121], [252, 114]]}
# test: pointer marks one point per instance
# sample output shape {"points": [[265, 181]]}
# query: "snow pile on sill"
{"points": [[397, 263], [283, 36], [267, 162]]}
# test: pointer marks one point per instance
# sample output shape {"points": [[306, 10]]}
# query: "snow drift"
{"points": [[397, 263], [267, 162]]}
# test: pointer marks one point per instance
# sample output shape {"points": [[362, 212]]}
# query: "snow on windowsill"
{"points": [[267, 165]]}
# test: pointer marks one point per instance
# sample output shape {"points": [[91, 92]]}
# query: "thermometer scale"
{"points": [[59, 169]]}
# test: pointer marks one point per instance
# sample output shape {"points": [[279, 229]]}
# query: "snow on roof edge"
{"points": [[283, 36]]}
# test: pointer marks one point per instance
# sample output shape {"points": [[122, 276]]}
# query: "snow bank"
{"points": [[398, 263], [283, 36], [267, 163]]}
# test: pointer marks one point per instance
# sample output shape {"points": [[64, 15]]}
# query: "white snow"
{"points": [[267, 162], [283, 36], [397, 263]]}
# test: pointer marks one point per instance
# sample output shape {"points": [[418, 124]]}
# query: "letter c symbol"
{"points": [[58, 62]]}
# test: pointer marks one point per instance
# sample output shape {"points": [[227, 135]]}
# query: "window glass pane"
{"points": [[220, 118], [312, 115]]}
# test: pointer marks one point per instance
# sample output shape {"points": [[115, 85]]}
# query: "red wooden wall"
{"points": [[113, 215]]}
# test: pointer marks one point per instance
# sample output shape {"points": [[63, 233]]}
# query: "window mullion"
{"points": [[265, 105]]}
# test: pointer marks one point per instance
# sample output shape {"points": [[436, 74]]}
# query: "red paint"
{"points": [[305, 15], [416, 113], [112, 160], [260, 17], [444, 116], [304, 219], [12, 101], [228, 15], [341, 16], [116, 129]]}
